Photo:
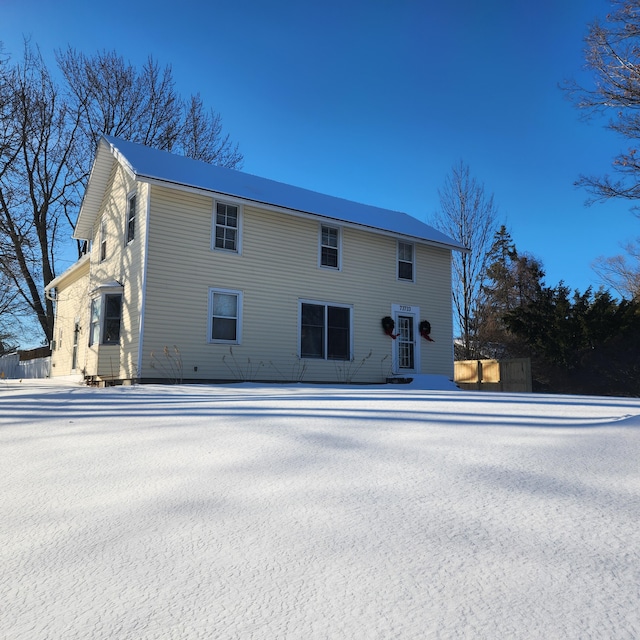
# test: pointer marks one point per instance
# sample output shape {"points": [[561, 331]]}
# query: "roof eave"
{"points": [[106, 155], [163, 182], [68, 272]]}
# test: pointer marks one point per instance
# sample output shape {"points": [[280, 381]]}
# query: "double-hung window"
{"points": [[225, 316], [226, 227], [103, 239], [405, 261], [94, 322], [325, 331], [112, 318], [106, 319], [329, 246], [131, 218]]}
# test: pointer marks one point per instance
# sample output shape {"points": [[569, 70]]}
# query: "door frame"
{"points": [[413, 312]]}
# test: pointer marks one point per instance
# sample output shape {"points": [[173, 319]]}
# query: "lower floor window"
{"points": [[112, 318], [325, 331], [225, 309], [106, 318], [94, 322]]}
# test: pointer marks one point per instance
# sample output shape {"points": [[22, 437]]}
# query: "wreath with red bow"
{"points": [[388, 325], [425, 329]]}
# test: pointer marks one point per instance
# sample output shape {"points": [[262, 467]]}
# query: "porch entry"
{"points": [[406, 346]]}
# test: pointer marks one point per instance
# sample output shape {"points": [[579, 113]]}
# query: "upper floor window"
{"points": [[105, 320], [103, 239], [325, 331], [225, 315], [131, 218], [405, 261], [227, 227], [329, 246]]}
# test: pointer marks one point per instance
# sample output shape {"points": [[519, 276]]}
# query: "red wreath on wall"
{"points": [[388, 325], [425, 329]]}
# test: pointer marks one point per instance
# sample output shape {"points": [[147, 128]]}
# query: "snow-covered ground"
{"points": [[314, 512]]}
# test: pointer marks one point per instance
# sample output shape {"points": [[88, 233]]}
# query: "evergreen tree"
{"points": [[510, 281], [580, 343]]}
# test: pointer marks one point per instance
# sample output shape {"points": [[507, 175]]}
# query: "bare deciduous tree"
{"points": [[467, 214], [38, 180], [143, 107], [622, 272], [612, 55], [8, 305], [48, 135]]}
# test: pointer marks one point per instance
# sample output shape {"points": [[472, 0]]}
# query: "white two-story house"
{"points": [[200, 273]]}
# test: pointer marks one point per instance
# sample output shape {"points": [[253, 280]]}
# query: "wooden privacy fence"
{"points": [[493, 375]]}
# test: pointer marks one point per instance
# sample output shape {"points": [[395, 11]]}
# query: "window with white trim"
{"points": [[94, 322], [103, 239], [226, 232], [329, 246], [131, 218], [325, 331], [405, 261], [106, 319], [225, 316]]}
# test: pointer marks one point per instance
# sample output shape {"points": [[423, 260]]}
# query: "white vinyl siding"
{"points": [[277, 268], [72, 306], [124, 264]]}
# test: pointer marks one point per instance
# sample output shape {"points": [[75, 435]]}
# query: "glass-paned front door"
{"points": [[406, 343]]}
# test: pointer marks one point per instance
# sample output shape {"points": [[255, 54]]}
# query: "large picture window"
{"points": [[325, 331], [225, 314], [226, 227]]}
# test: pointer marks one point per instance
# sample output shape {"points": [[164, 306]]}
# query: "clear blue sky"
{"points": [[375, 100]]}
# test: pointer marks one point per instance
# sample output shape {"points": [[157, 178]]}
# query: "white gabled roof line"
{"points": [[160, 167]]}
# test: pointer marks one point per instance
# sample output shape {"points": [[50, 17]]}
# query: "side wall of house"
{"points": [[71, 322], [123, 263], [276, 268]]}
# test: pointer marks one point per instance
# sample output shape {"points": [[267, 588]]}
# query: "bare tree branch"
{"points": [[468, 215], [48, 135]]}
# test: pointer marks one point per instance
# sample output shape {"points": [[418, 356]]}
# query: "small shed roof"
{"points": [[152, 165]]}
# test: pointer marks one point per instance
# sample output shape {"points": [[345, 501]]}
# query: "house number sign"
{"points": [[404, 308]]}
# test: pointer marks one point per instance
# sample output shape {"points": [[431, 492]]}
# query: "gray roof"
{"points": [[148, 164]]}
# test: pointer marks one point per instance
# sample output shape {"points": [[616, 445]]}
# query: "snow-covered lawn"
{"points": [[314, 512]]}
